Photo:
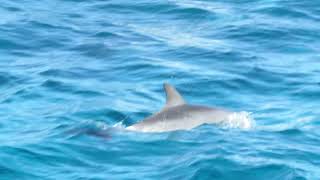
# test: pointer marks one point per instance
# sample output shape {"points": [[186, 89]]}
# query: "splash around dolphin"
{"points": [[179, 115]]}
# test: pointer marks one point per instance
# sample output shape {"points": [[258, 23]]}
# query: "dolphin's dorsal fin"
{"points": [[173, 96]]}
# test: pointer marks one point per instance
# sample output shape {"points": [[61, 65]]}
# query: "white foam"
{"points": [[119, 125], [241, 120]]}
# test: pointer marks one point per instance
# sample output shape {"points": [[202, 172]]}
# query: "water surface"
{"points": [[69, 70]]}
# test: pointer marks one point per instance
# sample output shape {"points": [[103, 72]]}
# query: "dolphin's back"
{"points": [[180, 117]]}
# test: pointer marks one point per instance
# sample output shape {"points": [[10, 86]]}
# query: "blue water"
{"points": [[71, 70]]}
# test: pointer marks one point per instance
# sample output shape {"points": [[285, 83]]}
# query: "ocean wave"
{"points": [[75, 74]]}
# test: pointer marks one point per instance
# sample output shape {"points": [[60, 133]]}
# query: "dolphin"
{"points": [[177, 114]]}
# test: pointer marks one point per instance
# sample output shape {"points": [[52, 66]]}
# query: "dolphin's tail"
{"points": [[104, 134], [89, 131]]}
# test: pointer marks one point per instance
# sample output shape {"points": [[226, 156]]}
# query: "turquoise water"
{"points": [[72, 70]]}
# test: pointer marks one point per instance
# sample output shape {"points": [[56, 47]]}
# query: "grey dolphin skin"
{"points": [[178, 115]]}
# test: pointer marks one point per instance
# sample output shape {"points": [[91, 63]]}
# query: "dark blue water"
{"points": [[70, 70]]}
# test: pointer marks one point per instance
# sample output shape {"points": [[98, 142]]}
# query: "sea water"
{"points": [[75, 73]]}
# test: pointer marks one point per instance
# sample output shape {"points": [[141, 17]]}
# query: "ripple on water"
{"points": [[73, 74]]}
